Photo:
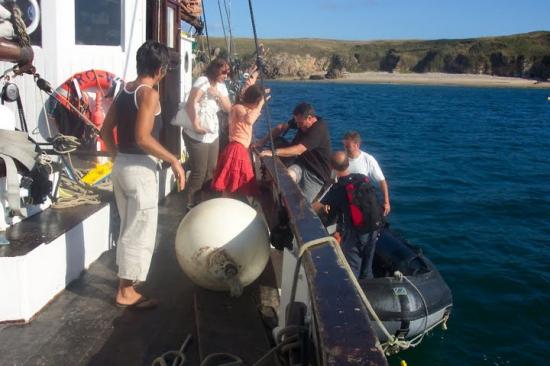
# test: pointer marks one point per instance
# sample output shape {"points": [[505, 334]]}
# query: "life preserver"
{"points": [[74, 92], [86, 96]]}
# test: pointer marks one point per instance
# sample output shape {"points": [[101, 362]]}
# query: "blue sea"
{"points": [[469, 177]]}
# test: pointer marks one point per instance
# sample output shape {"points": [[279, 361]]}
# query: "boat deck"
{"points": [[82, 325]]}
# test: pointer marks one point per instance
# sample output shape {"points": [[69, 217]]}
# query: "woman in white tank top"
{"points": [[134, 175]]}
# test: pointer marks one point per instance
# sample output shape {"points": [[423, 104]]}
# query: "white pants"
{"points": [[135, 184]]}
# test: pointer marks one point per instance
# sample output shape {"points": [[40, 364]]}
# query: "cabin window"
{"points": [[98, 22]]}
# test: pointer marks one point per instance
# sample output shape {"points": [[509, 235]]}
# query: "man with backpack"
{"points": [[352, 200], [364, 163]]}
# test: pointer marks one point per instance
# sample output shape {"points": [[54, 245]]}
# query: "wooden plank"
{"points": [[230, 325]]}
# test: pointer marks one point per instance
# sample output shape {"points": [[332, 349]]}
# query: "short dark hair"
{"points": [[252, 95], [214, 67], [304, 109], [150, 57], [339, 161], [354, 136]]}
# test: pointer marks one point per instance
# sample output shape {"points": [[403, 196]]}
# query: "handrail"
{"points": [[345, 334]]}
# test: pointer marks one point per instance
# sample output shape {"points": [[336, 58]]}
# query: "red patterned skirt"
{"points": [[234, 173]]}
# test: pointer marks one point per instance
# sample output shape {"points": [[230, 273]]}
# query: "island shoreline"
{"points": [[443, 79]]}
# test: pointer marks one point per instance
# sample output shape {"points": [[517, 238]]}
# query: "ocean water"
{"points": [[469, 177]]}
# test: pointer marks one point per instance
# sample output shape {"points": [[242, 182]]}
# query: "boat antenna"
{"points": [[260, 64]]}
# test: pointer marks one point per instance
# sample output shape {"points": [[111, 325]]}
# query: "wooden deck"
{"points": [[82, 325]]}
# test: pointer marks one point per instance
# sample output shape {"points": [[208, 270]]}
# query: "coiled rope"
{"points": [[72, 192], [287, 339], [75, 194]]}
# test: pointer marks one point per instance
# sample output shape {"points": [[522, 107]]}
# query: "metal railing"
{"points": [[344, 332]]}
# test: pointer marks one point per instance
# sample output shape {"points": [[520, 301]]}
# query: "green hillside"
{"points": [[522, 55]]}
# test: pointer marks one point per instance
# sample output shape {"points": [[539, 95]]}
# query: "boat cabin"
{"points": [[69, 37]]}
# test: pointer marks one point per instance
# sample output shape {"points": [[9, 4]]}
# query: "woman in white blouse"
{"points": [[208, 96]]}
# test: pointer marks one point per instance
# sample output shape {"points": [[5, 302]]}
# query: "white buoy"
{"points": [[222, 244]]}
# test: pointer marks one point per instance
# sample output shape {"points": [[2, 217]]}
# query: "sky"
{"points": [[379, 19]]}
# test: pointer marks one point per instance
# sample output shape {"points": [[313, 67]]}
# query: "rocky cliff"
{"points": [[523, 55]]}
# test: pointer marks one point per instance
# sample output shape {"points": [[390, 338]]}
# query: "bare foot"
{"points": [[127, 294]]}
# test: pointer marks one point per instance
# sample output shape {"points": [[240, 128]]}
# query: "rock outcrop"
{"points": [[287, 65]]}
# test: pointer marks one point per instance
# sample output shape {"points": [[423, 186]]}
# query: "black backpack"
{"points": [[365, 212]]}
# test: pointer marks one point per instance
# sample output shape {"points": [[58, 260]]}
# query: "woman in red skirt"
{"points": [[234, 174]]}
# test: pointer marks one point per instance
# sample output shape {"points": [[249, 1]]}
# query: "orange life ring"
{"points": [[73, 92]]}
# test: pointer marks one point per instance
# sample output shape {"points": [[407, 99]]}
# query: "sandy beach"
{"points": [[439, 79]]}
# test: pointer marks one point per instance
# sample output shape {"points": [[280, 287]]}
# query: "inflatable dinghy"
{"points": [[407, 293]]}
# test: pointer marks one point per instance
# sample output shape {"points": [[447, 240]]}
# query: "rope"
{"points": [[6, 74], [284, 344], [45, 159], [63, 144], [235, 362], [304, 248], [393, 344], [19, 27], [75, 194], [72, 192], [420, 337], [46, 117], [178, 357], [289, 338]]}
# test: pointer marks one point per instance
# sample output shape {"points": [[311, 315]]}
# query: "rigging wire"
{"points": [[228, 15], [206, 31], [223, 28], [260, 64]]}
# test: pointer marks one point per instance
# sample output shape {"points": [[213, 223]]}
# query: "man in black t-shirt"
{"points": [[311, 149]]}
